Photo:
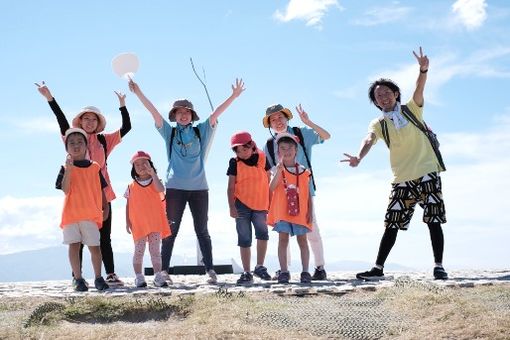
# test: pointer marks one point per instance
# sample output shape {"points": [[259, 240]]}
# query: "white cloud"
{"points": [[470, 13], [310, 11], [383, 15]]}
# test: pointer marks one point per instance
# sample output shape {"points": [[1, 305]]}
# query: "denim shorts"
{"points": [[290, 228], [247, 217]]}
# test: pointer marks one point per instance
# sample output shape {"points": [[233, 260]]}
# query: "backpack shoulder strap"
{"points": [[172, 135], [197, 133], [299, 134], [270, 150], [102, 139], [384, 129], [412, 118]]}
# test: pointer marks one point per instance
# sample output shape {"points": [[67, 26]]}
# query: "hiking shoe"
{"points": [[159, 280], [306, 277], [319, 274], [140, 281], [261, 272], [275, 277], [74, 282], [283, 277], [245, 279], [440, 274], [113, 280], [165, 276], [373, 274], [80, 285], [213, 279], [100, 283]]}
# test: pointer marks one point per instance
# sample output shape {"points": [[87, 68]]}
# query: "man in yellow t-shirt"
{"points": [[414, 165]]}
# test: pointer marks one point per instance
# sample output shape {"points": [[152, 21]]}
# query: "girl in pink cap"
{"points": [[146, 216], [99, 147]]}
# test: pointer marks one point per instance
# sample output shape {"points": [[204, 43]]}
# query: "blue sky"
{"points": [[322, 54]]}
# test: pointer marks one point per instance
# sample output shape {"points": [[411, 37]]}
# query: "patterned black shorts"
{"points": [[426, 191]]}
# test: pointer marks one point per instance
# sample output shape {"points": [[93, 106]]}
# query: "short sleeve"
{"points": [[60, 177], [375, 128], [232, 167]]}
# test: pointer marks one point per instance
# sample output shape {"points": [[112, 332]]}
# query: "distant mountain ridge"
{"points": [[53, 264]]}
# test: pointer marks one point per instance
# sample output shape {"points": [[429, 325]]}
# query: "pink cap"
{"points": [[138, 155], [240, 138]]}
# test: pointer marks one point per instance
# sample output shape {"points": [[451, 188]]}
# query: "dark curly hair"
{"points": [[384, 82], [134, 175]]}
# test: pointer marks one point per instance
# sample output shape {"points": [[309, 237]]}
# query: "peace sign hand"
{"points": [[122, 98], [353, 160], [303, 115], [44, 90], [423, 60]]}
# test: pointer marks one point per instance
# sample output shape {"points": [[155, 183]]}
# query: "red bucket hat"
{"points": [[139, 155]]}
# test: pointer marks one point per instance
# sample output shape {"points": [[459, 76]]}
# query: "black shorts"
{"points": [[426, 191]]}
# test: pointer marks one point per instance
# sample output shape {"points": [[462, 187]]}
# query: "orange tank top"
{"points": [[252, 184], [84, 201], [278, 209], [147, 211]]}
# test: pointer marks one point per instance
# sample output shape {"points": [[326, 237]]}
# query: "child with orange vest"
{"points": [[248, 199], [290, 212], [85, 207], [146, 216]]}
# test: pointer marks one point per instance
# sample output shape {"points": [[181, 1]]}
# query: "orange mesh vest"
{"points": [[252, 184], [278, 210], [146, 211], [83, 202]]}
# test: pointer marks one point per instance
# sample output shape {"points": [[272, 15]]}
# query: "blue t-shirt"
{"points": [[310, 139], [186, 164]]}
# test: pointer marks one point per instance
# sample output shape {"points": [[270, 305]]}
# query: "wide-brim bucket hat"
{"points": [[185, 104], [101, 121], [275, 108]]}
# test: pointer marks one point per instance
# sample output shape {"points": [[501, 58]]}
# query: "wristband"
{"points": [[424, 71]]}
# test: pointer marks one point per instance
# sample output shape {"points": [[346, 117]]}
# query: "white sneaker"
{"points": [[140, 281], [213, 279], [166, 277], [159, 280]]}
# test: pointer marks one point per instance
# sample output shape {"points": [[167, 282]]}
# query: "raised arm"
{"points": [[126, 120], [61, 118], [237, 89], [423, 62], [366, 145], [306, 120], [158, 119]]}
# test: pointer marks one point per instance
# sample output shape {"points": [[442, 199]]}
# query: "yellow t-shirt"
{"points": [[411, 155]]}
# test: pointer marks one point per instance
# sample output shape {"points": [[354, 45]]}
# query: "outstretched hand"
{"points": [[422, 59], [353, 160], [44, 90], [238, 88], [122, 98], [133, 87]]}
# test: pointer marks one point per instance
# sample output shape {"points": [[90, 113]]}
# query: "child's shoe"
{"points": [[245, 279], [284, 277], [440, 273], [306, 277], [113, 280], [320, 274], [373, 274], [100, 283], [213, 279], [165, 276], [80, 285], [261, 272], [159, 280], [140, 281]]}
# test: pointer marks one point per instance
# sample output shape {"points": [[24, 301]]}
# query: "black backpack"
{"points": [[101, 138], [423, 127], [297, 132], [172, 135]]}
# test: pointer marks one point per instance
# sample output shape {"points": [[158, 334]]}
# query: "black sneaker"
{"points": [[245, 279], [306, 277], [80, 285], [319, 274], [283, 277], [440, 274], [100, 283], [261, 272], [373, 274]]}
